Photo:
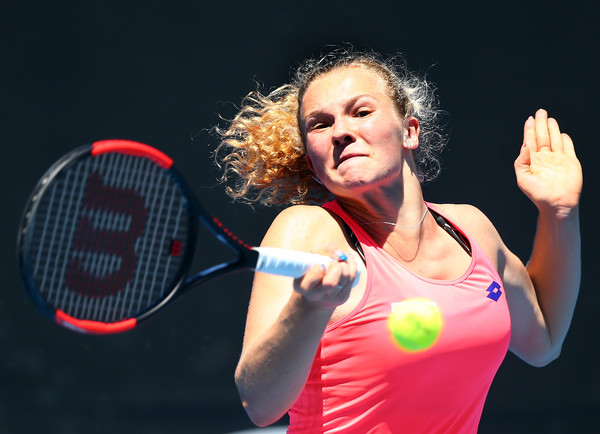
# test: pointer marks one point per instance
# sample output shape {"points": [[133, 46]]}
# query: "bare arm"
{"points": [[543, 295], [286, 317]]}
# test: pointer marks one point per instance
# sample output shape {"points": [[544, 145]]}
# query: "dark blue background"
{"points": [[163, 72]]}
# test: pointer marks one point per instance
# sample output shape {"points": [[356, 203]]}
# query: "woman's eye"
{"points": [[362, 113], [317, 126]]}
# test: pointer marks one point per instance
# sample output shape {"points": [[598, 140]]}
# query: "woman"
{"points": [[319, 346]]}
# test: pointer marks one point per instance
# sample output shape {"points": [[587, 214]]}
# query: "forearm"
{"points": [[273, 369], [555, 270]]}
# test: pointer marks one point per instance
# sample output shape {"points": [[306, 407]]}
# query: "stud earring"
{"points": [[408, 142]]}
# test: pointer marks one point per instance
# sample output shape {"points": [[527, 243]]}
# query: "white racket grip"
{"points": [[292, 263]]}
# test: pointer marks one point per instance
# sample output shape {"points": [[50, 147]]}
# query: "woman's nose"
{"points": [[342, 134]]}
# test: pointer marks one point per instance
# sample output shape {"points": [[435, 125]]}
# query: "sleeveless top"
{"points": [[362, 381]]}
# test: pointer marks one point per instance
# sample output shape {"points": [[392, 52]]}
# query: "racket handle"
{"points": [[292, 263]]}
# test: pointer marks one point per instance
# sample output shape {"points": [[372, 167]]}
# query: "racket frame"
{"points": [[26, 230], [246, 257]]}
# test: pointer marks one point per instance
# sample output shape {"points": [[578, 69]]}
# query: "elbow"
{"points": [[540, 362], [541, 359], [537, 352], [254, 411], [259, 414], [259, 419], [537, 349]]}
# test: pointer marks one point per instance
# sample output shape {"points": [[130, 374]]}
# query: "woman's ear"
{"points": [[412, 131]]}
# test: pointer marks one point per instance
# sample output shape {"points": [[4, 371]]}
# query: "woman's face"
{"points": [[354, 134]]}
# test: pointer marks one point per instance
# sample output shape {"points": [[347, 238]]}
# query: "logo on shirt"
{"points": [[494, 291]]}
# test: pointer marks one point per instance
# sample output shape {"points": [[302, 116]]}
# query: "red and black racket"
{"points": [[109, 234]]}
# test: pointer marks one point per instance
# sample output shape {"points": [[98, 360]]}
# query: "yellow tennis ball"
{"points": [[415, 323]]}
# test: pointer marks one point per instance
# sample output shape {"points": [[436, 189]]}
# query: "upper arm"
{"points": [[530, 338], [529, 333], [303, 228]]}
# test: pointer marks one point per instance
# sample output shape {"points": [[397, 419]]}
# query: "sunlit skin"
{"points": [[547, 169]]}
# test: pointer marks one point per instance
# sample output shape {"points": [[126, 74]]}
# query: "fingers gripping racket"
{"points": [[109, 234]]}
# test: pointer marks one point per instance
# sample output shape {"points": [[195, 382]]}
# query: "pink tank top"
{"points": [[362, 382]]}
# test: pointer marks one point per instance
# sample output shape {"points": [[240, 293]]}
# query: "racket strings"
{"points": [[90, 260], [120, 220]]}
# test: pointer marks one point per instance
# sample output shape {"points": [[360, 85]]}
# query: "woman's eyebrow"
{"points": [[349, 102]]}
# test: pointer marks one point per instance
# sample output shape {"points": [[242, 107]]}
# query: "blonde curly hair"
{"points": [[264, 148]]}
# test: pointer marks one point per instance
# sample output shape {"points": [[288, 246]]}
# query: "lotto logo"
{"points": [[494, 291]]}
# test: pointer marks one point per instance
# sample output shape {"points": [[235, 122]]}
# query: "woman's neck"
{"points": [[396, 206]]}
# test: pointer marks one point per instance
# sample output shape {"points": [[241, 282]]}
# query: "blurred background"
{"points": [[164, 73]]}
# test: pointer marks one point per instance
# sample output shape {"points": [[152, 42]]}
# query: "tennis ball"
{"points": [[415, 324]]}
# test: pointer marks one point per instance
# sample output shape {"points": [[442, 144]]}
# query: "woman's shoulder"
{"points": [[475, 222], [303, 212], [305, 216], [301, 226], [463, 213]]}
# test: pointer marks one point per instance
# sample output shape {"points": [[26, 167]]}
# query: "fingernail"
{"points": [[341, 255]]}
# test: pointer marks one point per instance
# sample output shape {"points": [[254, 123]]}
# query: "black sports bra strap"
{"points": [[441, 221], [454, 233], [354, 239]]}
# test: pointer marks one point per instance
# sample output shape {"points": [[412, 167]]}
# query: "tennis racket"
{"points": [[109, 233]]}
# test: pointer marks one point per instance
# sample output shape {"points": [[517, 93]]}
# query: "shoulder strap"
{"points": [[354, 240], [457, 235], [440, 220]]}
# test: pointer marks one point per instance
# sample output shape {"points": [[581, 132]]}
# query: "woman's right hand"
{"points": [[326, 287]]}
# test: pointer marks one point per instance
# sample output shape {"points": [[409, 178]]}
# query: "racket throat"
{"points": [[245, 261]]}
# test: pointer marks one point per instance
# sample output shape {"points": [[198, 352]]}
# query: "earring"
{"points": [[408, 142], [317, 180]]}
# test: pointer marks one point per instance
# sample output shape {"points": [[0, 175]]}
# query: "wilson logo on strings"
{"points": [[113, 240]]}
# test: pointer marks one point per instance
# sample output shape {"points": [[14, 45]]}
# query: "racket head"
{"points": [[107, 236]]}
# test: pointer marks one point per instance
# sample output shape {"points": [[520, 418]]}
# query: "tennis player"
{"points": [[348, 145]]}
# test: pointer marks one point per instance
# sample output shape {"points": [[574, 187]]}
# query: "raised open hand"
{"points": [[547, 169]]}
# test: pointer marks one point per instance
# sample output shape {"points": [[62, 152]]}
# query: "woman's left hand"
{"points": [[547, 169]]}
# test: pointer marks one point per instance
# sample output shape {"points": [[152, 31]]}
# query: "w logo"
{"points": [[109, 249]]}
